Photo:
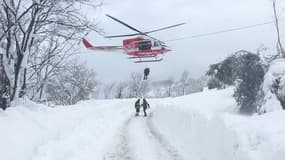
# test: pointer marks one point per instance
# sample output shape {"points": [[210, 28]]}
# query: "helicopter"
{"points": [[142, 48]]}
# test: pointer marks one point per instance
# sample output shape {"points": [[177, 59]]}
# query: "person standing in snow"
{"points": [[146, 73], [137, 107], [145, 106]]}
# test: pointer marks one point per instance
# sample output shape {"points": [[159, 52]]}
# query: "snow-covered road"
{"points": [[106, 130], [140, 140]]}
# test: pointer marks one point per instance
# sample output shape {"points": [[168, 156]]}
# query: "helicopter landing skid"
{"points": [[151, 60]]}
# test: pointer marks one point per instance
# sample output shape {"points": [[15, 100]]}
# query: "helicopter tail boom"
{"points": [[101, 48]]}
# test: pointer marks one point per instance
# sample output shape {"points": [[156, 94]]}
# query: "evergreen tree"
{"points": [[246, 71], [224, 73], [250, 75]]}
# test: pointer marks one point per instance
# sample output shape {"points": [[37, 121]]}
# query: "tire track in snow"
{"points": [[121, 149], [127, 146], [171, 150]]}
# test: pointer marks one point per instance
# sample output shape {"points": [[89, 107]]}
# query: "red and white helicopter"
{"points": [[144, 48]]}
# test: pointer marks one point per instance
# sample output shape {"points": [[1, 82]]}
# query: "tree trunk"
{"points": [[17, 73], [280, 48], [4, 86], [23, 88]]}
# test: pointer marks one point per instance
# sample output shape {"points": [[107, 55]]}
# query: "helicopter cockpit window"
{"points": [[145, 45], [155, 44]]}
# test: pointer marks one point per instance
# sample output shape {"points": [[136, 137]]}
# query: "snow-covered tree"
{"points": [[108, 90], [33, 31], [135, 85], [169, 86], [184, 81], [224, 73], [245, 70], [279, 46], [72, 83], [251, 76], [120, 90]]}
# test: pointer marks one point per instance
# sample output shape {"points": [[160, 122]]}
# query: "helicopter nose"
{"points": [[165, 48]]}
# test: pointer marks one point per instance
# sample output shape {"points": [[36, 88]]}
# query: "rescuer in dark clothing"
{"points": [[145, 106], [137, 107], [146, 73]]}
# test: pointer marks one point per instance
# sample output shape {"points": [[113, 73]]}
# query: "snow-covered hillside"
{"points": [[201, 126]]}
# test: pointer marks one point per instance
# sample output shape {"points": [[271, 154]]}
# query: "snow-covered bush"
{"points": [[120, 90], [274, 86]]}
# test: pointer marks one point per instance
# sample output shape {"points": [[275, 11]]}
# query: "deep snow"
{"points": [[206, 126], [201, 126]]}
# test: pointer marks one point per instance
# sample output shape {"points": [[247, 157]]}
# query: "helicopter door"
{"points": [[145, 45]]}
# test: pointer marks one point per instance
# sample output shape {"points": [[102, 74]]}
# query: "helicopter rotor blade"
{"points": [[144, 33], [139, 32], [123, 23], [126, 35], [164, 28]]}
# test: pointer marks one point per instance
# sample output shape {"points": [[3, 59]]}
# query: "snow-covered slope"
{"points": [[202, 126]]}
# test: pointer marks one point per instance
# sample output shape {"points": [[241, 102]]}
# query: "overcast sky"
{"points": [[194, 55]]}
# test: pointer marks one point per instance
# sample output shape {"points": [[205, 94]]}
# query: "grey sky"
{"points": [[195, 55]]}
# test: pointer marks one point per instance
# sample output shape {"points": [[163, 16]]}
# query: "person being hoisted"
{"points": [[146, 73]]}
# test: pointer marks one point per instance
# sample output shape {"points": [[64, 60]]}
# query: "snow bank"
{"points": [[82, 131], [206, 126]]}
